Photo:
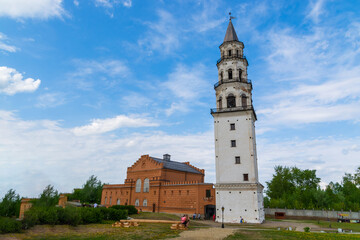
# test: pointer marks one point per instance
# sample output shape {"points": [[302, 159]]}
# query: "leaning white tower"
{"points": [[239, 195]]}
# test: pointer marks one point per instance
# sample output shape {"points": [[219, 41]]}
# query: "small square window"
{"points": [[237, 160], [246, 177], [233, 143], [232, 126]]}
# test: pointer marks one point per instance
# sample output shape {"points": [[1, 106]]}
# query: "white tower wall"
{"points": [[238, 191]]}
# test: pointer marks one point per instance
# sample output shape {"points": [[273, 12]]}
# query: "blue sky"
{"points": [[87, 87]]}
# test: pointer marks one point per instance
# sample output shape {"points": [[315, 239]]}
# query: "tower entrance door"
{"points": [[209, 211]]}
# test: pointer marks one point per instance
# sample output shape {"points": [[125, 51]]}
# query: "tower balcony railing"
{"points": [[243, 80], [232, 109], [233, 56]]}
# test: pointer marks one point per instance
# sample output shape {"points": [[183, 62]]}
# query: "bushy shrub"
{"points": [[130, 208], [9, 225], [91, 215], [72, 216], [31, 218], [47, 215], [113, 214]]}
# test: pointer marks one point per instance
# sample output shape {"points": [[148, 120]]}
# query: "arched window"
{"points": [[231, 101], [138, 185], [146, 185], [221, 76], [105, 200], [230, 73], [118, 202], [229, 53], [220, 103], [243, 101], [240, 73], [145, 203], [110, 201], [137, 202]]}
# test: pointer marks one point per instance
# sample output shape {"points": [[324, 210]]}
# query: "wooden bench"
{"points": [[135, 222]]}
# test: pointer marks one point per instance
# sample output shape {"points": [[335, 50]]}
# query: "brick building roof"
{"points": [[176, 165]]}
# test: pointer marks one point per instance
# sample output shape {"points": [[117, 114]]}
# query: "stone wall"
{"points": [[311, 214]]}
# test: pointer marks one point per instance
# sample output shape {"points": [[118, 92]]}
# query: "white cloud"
{"points": [[4, 46], [42, 153], [49, 100], [322, 154], [107, 67], [12, 82], [42, 9], [183, 98], [76, 3], [177, 107], [316, 8], [110, 72], [208, 17], [98, 126], [135, 100], [313, 82], [112, 3], [163, 35], [193, 77]]}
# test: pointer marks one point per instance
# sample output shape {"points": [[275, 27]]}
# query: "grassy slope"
{"points": [[98, 232], [325, 224], [273, 234]]}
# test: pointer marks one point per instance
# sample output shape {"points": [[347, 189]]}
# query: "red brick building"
{"points": [[162, 185]]}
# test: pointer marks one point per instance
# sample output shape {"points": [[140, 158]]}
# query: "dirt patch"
{"points": [[207, 233]]}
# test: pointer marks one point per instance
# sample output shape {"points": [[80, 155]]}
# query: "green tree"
{"points": [[10, 204], [90, 192], [48, 198]]}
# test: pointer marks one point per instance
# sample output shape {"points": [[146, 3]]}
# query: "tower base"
{"points": [[241, 201]]}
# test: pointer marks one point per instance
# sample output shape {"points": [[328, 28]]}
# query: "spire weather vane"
{"points": [[231, 17]]}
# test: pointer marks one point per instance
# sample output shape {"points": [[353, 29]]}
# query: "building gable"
{"points": [[145, 163]]}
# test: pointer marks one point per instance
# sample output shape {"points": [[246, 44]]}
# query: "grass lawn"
{"points": [[96, 232], [274, 234], [355, 227], [347, 226], [105, 231]]}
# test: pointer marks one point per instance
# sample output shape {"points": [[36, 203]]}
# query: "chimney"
{"points": [[166, 157]]}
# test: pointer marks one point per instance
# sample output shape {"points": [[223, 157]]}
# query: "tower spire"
{"points": [[230, 32]]}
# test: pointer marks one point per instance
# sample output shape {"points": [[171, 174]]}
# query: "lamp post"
{"points": [[222, 210]]}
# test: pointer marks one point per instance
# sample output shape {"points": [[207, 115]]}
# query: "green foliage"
{"points": [[296, 188], [10, 204], [48, 198], [9, 225], [70, 215], [130, 208], [91, 215], [90, 192], [306, 229]]}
